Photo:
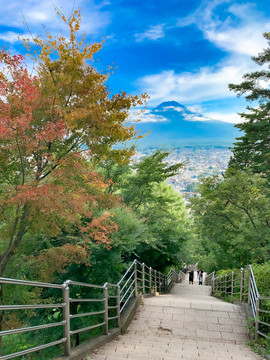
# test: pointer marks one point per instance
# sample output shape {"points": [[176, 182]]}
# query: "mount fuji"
{"points": [[172, 125]]}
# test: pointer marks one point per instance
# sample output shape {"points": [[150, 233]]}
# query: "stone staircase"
{"points": [[186, 324]]}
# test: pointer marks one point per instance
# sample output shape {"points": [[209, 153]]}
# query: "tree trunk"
{"points": [[15, 241]]}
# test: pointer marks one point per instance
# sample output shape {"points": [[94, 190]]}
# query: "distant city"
{"points": [[199, 161]]}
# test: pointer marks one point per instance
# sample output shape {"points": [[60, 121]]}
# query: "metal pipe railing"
{"points": [[101, 303], [236, 284]]}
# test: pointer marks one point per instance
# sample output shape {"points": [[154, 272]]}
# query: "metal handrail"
{"points": [[130, 282], [131, 266], [234, 284]]}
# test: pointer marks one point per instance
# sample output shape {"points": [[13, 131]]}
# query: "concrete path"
{"points": [[186, 324]]}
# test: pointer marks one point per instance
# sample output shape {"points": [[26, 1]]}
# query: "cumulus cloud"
{"points": [[208, 83], [197, 117], [240, 32], [175, 108], [153, 33], [227, 117], [36, 13], [9, 36], [145, 117]]}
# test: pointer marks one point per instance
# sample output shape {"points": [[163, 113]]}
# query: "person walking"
{"points": [[200, 277], [191, 277]]}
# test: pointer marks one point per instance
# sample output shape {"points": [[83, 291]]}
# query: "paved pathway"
{"points": [[186, 324]]}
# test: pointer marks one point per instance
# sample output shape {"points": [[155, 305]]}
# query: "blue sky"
{"points": [[182, 50]]}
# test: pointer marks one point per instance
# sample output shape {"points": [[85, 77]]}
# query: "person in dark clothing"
{"points": [[191, 277], [200, 277]]}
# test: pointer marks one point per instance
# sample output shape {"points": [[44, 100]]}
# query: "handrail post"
{"points": [[118, 306], [213, 284], [257, 318], [143, 278], [226, 284], [221, 284], [150, 279], [155, 281], [106, 315], [241, 283], [135, 279], [249, 283], [66, 316], [232, 283]]}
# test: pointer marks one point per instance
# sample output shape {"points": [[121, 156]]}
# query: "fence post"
{"points": [[143, 278], [213, 284], [150, 279], [226, 285], [221, 284], [249, 281], [66, 316], [118, 306], [106, 315], [135, 279], [159, 283], [155, 281], [257, 318], [241, 284], [232, 284]]}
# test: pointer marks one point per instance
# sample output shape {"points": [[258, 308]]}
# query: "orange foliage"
{"points": [[51, 125], [100, 229], [57, 259]]}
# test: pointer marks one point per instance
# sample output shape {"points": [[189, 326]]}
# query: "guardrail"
{"points": [[103, 305], [242, 285]]}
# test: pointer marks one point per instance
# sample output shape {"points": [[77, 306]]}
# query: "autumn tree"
{"points": [[51, 125]]}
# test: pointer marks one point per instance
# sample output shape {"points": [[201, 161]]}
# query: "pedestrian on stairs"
{"points": [[200, 277], [191, 277]]}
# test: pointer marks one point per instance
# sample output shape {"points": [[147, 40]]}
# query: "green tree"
{"points": [[169, 227], [160, 208], [252, 150], [151, 170], [233, 220]]}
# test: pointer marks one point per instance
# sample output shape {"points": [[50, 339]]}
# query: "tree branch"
{"points": [[246, 211]]}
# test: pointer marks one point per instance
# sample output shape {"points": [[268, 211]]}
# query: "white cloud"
{"points": [[37, 13], [240, 32], [10, 37], [208, 83], [197, 117], [227, 117], [166, 108], [195, 108], [145, 117], [153, 33], [248, 40]]}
